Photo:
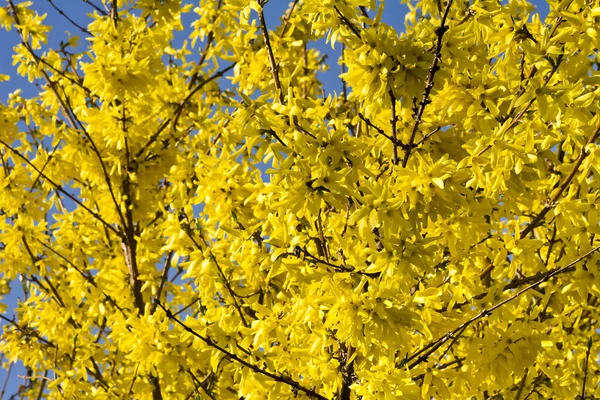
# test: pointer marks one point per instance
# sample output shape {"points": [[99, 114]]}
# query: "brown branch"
{"points": [[430, 134], [163, 279], [87, 278], [272, 62], [6, 380], [95, 7], [585, 368], [437, 58], [69, 112], [393, 122], [286, 18], [551, 201], [209, 40], [201, 384], [424, 353], [61, 12], [114, 12], [347, 370], [522, 384], [60, 189], [37, 179], [311, 393], [26, 330], [135, 374], [179, 109], [348, 23], [233, 295], [221, 274], [550, 245], [379, 130]]}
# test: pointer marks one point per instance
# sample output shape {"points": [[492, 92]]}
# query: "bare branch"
{"points": [[6, 379], [61, 12], [272, 62]]}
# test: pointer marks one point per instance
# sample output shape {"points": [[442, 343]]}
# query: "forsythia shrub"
{"points": [[201, 221]]}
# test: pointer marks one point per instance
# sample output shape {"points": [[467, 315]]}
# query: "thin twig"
{"points": [[114, 12], [61, 12], [286, 18], [430, 134], [42, 385], [585, 368], [437, 58], [424, 353], [272, 62], [378, 129], [60, 189], [522, 384], [209, 40], [95, 7], [551, 201], [6, 380], [68, 110], [348, 23], [163, 279], [179, 109], [393, 122], [232, 356]]}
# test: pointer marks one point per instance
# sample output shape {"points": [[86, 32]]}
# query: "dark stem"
{"points": [[232, 356], [437, 58], [272, 62]]}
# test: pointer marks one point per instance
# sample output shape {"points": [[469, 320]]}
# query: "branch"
{"points": [[95, 7], [429, 86], [201, 384], [87, 278], [163, 278], [272, 62], [424, 353], [286, 18], [348, 23], [179, 109], [61, 12], [522, 384], [114, 13], [430, 134], [585, 368], [378, 129], [275, 376], [69, 112], [551, 201], [347, 370], [60, 189], [209, 41], [28, 331], [6, 380], [393, 122]]}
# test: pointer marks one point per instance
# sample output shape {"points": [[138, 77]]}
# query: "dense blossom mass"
{"points": [[202, 220]]}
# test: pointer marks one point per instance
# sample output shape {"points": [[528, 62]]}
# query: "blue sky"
{"points": [[77, 10]]}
